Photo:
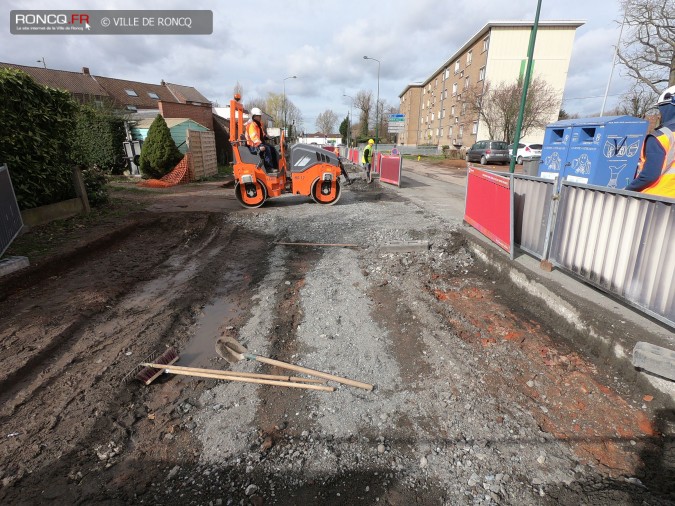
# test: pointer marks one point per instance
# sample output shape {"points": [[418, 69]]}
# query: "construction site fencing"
{"points": [[618, 241], [532, 218], [11, 222]]}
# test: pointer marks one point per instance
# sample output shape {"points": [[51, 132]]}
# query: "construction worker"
{"points": [[367, 157], [656, 171], [255, 140]]}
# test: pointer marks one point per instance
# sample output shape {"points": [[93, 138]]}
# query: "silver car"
{"points": [[488, 152]]}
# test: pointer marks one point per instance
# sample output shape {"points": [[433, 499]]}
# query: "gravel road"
{"points": [[479, 395]]}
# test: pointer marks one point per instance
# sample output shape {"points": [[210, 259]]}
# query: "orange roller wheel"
{"points": [[250, 195], [326, 192]]}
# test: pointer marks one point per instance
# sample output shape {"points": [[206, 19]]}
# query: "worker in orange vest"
{"points": [[656, 171], [255, 140]]}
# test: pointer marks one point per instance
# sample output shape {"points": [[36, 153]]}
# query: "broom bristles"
{"points": [[148, 374]]}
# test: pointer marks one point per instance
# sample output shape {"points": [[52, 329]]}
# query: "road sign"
{"points": [[396, 123]]}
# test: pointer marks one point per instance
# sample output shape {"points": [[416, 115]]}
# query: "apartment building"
{"points": [[435, 112]]}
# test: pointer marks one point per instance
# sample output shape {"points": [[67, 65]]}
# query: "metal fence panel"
{"points": [[10, 216], [621, 242], [533, 199]]}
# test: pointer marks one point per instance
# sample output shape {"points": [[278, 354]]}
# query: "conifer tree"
{"points": [[159, 153]]}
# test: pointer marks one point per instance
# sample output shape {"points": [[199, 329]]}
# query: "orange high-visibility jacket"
{"points": [[665, 185], [254, 133]]}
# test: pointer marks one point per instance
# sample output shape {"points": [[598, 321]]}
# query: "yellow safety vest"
{"points": [[370, 157]]}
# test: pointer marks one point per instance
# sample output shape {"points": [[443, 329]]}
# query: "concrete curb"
{"points": [[593, 326]]}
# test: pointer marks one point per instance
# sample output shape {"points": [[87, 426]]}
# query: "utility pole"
{"points": [[526, 84]]}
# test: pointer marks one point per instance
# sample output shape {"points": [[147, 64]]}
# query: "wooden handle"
{"points": [[232, 373], [324, 388], [319, 374], [338, 245]]}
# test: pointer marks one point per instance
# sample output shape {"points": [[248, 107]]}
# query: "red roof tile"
{"points": [[74, 82]]}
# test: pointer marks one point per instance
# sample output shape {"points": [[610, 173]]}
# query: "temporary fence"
{"points": [[532, 213], [619, 241], [390, 169], [10, 216], [494, 220], [179, 174]]}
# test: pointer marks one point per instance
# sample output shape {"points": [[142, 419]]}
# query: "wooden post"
{"points": [[80, 189]]}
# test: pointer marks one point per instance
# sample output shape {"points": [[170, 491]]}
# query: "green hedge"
{"points": [[98, 138], [35, 139], [45, 132]]}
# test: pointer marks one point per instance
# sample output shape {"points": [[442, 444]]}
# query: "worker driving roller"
{"points": [[255, 140]]}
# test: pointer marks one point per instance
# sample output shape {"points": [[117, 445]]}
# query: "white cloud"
{"points": [[322, 43]]}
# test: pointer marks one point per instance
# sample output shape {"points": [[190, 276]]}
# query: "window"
{"points": [[436, 82], [474, 130], [463, 108], [437, 130], [154, 95], [454, 89], [456, 120], [461, 131], [441, 134], [447, 73], [131, 108], [452, 110], [421, 121], [131, 93], [486, 43], [469, 57], [481, 74], [443, 113], [466, 82], [456, 66], [432, 116], [449, 132], [445, 93]]}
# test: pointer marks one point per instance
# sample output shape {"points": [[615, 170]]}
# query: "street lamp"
{"points": [[43, 62], [377, 101], [349, 120], [284, 104]]}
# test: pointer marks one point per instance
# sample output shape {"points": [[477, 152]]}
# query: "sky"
{"points": [[259, 44]]}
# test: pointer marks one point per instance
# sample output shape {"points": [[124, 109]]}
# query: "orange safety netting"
{"points": [[178, 175]]}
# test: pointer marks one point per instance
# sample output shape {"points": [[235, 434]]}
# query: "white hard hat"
{"points": [[256, 112], [667, 97]]}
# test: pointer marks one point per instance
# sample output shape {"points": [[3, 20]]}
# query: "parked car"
{"points": [[487, 152], [526, 150]]}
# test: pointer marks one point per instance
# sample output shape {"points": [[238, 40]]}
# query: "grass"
{"points": [[44, 239]]}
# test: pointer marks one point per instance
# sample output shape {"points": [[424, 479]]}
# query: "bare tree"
{"points": [[648, 49], [384, 121], [238, 89], [273, 105], [637, 102], [498, 106], [363, 103], [325, 122]]}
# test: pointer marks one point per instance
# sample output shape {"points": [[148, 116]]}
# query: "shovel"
{"points": [[234, 352]]}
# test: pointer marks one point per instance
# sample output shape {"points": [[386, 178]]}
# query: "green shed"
{"points": [[177, 126]]}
